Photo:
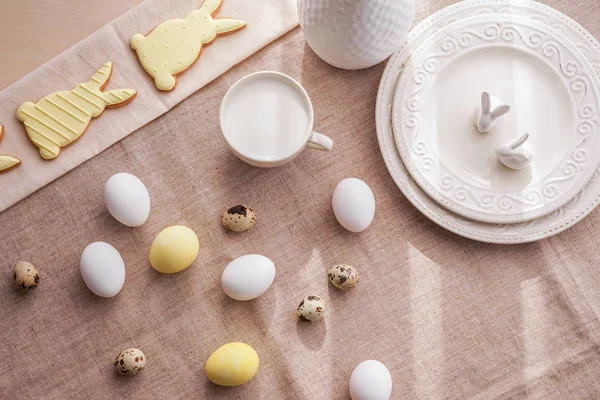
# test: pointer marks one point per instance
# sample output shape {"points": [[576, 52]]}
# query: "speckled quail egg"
{"points": [[26, 276], [130, 362], [311, 309], [239, 218], [343, 276]]}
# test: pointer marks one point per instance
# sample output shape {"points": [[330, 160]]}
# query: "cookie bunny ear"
{"points": [[211, 7], [8, 163], [118, 97], [500, 111], [112, 98], [486, 102], [101, 77], [228, 25]]}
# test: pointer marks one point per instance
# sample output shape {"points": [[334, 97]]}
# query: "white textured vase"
{"points": [[355, 34]]}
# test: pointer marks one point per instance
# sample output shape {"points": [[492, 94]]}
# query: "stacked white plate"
{"points": [[537, 60]]}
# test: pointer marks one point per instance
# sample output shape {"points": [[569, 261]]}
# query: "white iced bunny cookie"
{"points": [[516, 154], [173, 46], [487, 115]]}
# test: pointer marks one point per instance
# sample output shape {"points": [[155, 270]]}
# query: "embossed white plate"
{"points": [[553, 92], [563, 218]]}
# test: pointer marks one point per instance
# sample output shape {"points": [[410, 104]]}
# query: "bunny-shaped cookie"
{"points": [[173, 46], [515, 154], [60, 118], [7, 162], [491, 109]]}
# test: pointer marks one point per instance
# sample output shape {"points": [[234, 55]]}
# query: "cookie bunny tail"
{"points": [[136, 40], [224, 26], [8, 162], [211, 7]]}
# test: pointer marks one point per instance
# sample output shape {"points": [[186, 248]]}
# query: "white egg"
{"points": [[247, 277], [102, 269], [370, 380], [127, 199], [353, 204]]}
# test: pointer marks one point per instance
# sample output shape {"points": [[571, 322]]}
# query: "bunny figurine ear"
{"points": [[500, 111], [490, 111], [486, 102]]}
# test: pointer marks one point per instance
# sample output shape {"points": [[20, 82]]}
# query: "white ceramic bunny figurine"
{"points": [[491, 109], [515, 154]]}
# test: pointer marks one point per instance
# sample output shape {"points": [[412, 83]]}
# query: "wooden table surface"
{"points": [[34, 31]]}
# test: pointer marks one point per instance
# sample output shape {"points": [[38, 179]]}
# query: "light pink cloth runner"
{"points": [[267, 20]]}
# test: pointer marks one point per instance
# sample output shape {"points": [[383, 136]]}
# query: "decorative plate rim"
{"points": [[454, 192], [538, 229]]}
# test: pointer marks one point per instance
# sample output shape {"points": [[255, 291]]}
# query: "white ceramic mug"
{"points": [[267, 119]]}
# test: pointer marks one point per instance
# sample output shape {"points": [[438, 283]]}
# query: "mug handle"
{"points": [[320, 142]]}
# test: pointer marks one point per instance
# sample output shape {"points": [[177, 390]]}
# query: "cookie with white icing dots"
{"points": [[7, 162], [173, 46], [62, 117]]}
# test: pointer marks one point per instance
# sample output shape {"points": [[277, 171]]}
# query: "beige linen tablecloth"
{"points": [[450, 317]]}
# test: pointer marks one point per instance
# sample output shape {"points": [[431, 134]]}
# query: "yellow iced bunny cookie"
{"points": [[173, 46], [7, 162], [62, 117]]}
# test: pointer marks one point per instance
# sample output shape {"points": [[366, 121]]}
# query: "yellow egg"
{"points": [[174, 249], [232, 364]]}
